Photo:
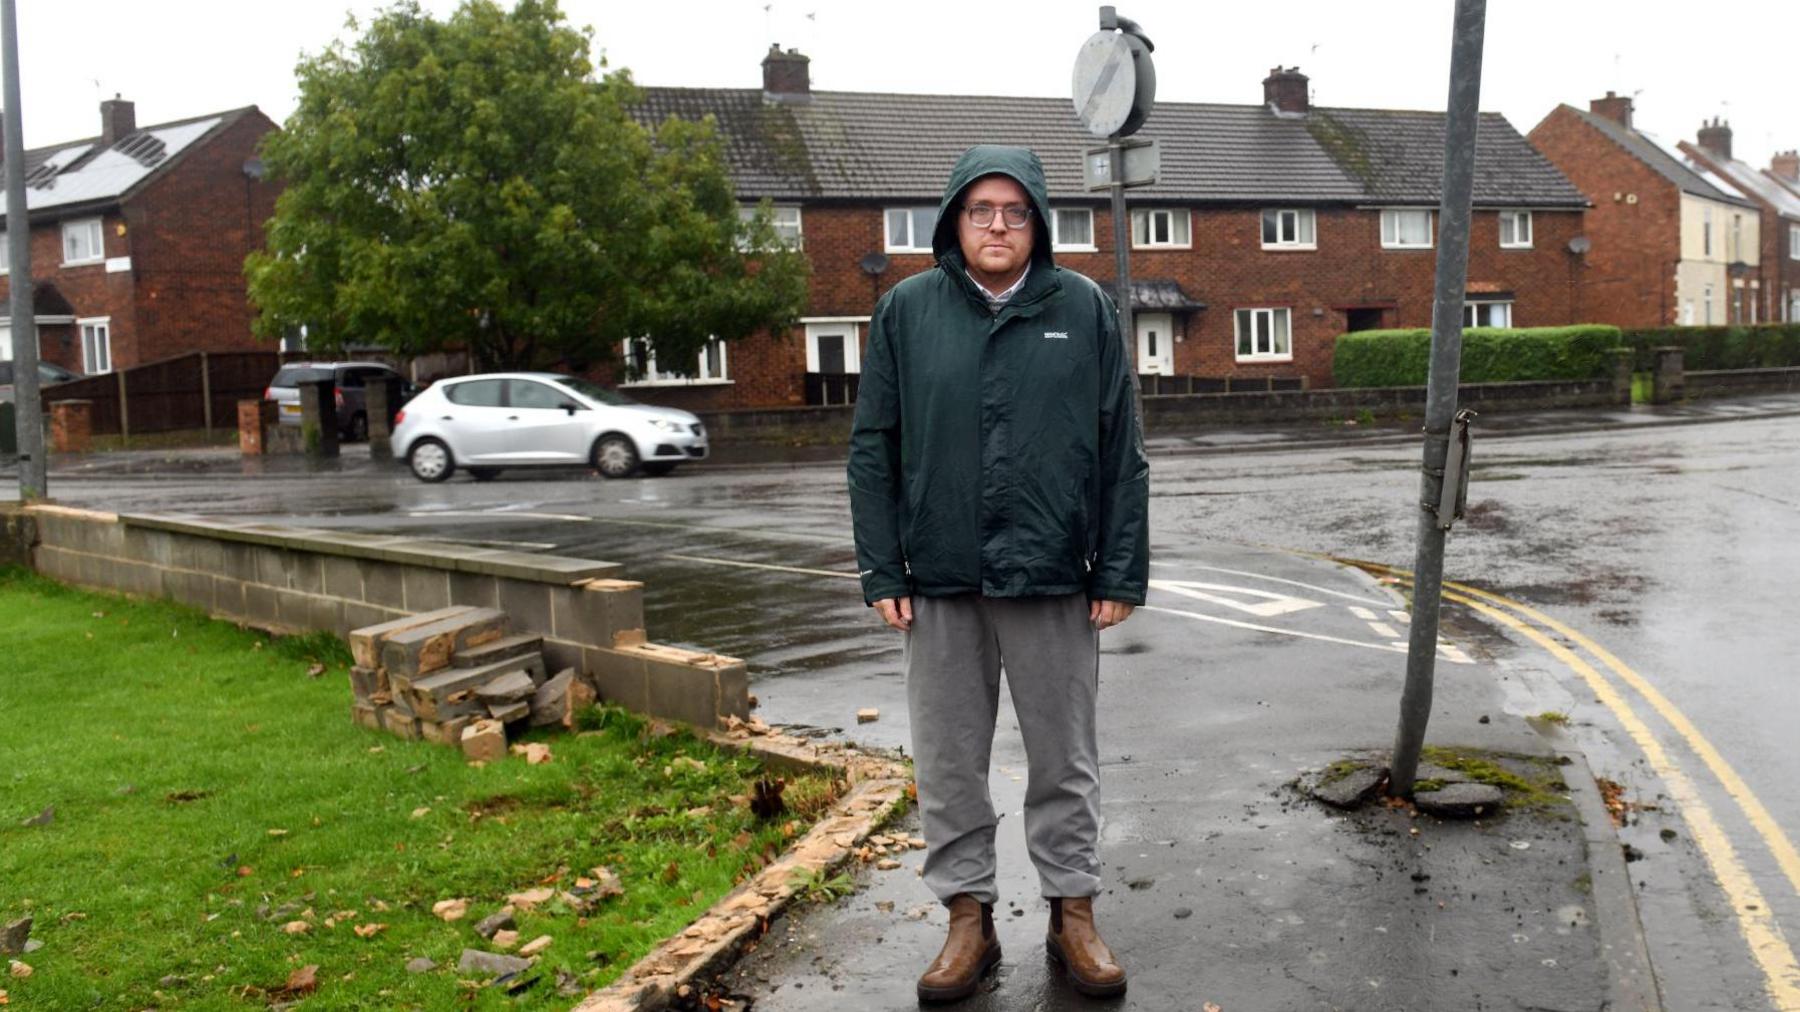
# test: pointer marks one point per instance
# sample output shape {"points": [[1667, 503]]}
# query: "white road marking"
{"points": [[1273, 604], [1401, 617], [1393, 648], [1384, 630], [501, 513], [1379, 602], [764, 565], [1363, 613]]}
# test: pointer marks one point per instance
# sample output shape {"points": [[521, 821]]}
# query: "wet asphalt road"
{"points": [[1673, 547]]}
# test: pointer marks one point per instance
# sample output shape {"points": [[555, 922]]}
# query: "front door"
{"points": [[1156, 343]]}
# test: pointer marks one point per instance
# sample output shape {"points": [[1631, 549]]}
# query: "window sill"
{"points": [[906, 249], [1074, 249], [1259, 359], [1402, 249], [1169, 245], [1518, 246], [677, 383], [91, 261], [1290, 247]]}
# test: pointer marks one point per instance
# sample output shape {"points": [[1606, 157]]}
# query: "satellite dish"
{"points": [[873, 264], [1579, 244]]}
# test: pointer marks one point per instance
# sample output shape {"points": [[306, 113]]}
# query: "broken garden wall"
{"points": [[291, 579]]}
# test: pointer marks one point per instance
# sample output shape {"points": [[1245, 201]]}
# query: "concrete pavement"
{"points": [[1224, 883]]}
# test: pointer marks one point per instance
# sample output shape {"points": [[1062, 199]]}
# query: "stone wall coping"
{"points": [[561, 570], [714, 940]]}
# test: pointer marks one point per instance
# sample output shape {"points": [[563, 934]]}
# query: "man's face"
{"points": [[995, 251]]}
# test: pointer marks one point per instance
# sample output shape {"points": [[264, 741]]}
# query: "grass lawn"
{"points": [[209, 790]]}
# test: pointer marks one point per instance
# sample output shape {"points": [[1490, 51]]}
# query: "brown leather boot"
{"points": [[1075, 943], [970, 951]]}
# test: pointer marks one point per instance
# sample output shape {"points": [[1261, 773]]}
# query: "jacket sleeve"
{"points": [[874, 469], [1122, 558]]}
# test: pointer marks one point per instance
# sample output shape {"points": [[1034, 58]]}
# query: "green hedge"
{"points": [[1402, 358], [1763, 346]]}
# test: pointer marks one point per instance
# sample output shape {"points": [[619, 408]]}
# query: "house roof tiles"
{"points": [[866, 146], [1667, 162], [83, 173]]}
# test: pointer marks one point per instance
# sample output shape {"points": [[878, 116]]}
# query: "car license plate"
{"points": [[290, 409]]}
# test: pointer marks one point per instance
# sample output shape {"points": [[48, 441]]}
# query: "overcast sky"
{"points": [[197, 56]]}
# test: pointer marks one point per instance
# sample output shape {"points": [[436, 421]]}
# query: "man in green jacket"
{"points": [[999, 495]]}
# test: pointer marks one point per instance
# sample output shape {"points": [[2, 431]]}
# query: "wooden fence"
{"points": [[199, 390]]}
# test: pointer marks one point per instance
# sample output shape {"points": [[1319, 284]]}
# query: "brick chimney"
{"points": [[1614, 107], [1284, 90], [1715, 137], [1786, 165], [118, 118], [785, 76]]}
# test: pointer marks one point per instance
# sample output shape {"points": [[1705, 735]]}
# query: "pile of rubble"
{"points": [[457, 676]]}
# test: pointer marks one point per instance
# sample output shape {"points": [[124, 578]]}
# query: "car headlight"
{"points": [[665, 425]]}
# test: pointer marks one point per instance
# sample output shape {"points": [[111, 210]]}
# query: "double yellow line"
{"points": [[1773, 955]]}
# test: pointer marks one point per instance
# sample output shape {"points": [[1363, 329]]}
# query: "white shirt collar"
{"points": [[996, 300]]}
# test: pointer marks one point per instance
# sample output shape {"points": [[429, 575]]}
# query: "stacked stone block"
{"points": [[458, 672]]}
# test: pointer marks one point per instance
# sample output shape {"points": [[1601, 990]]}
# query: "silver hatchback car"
{"points": [[493, 422]]}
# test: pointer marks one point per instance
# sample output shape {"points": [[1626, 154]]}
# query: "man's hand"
{"points": [[1106, 614], [896, 611]]}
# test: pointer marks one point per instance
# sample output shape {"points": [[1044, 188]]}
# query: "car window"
{"points": [[289, 376], [475, 393], [527, 394], [594, 391], [350, 379], [5, 372]]}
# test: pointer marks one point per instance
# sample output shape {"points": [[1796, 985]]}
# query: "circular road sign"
{"points": [[1114, 84], [1104, 83]]}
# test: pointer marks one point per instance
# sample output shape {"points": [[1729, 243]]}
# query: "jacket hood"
{"points": [[1019, 164]]}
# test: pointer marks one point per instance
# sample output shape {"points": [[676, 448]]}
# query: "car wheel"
{"points": [[484, 473], [615, 456], [430, 460], [359, 428], [657, 469]]}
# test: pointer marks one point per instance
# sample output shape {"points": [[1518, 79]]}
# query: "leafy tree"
{"points": [[470, 182]]}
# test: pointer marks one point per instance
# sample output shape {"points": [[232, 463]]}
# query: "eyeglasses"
{"points": [[982, 215]]}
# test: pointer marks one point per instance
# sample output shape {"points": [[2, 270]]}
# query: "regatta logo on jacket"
{"points": [[1059, 335]]}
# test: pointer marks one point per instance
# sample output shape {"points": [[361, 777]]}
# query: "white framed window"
{"points": [[1289, 228], [784, 217], [1706, 304], [83, 242], [1072, 229], [5, 257], [834, 345], [1706, 232], [1737, 237], [96, 344], [710, 365], [1794, 242], [1515, 229], [1166, 227], [909, 229], [1487, 313], [1405, 228], [1264, 335]]}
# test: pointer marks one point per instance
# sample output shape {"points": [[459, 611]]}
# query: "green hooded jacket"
{"points": [[998, 453]]}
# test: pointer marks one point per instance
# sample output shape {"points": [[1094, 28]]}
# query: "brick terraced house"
{"points": [[1779, 274], [1274, 227], [138, 238], [1673, 241]]}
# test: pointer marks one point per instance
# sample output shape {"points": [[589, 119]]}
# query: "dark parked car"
{"points": [[47, 375], [352, 379]]}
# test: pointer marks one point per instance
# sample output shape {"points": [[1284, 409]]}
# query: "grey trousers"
{"points": [[954, 655]]}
